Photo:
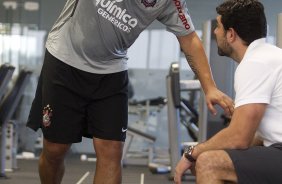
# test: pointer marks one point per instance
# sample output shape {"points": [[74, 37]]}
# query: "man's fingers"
{"points": [[177, 179], [225, 104], [212, 109], [229, 106], [218, 98]]}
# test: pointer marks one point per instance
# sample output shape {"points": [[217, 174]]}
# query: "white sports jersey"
{"points": [[94, 35], [258, 79]]}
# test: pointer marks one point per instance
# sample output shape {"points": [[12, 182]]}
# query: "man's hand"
{"points": [[214, 97], [181, 167]]}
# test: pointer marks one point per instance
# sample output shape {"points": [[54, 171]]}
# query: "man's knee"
{"points": [[213, 160], [205, 162], [54, 152], [107, 149], [216, 163]]}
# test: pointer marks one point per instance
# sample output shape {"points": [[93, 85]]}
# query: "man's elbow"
{"points": [[242, 144]]}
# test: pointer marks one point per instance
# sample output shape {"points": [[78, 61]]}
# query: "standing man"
{"points": [[249, 150], [82, 89]]}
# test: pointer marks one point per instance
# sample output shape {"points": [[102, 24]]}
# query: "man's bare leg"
{"points": [[215, 167], [51, 162], [108, 166]]}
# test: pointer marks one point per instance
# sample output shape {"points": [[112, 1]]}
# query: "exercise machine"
{"points": [[8, 137], [175, 105], [149, 154], [143, 109]]}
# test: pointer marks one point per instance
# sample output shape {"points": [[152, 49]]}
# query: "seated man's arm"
{"points": [[239, 134]]}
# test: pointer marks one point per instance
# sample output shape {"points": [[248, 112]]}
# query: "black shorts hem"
{"points": [[109, 138], [60, 141]]}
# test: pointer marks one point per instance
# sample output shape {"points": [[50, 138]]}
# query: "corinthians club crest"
{"points": [[47, 114], [149, 3]]}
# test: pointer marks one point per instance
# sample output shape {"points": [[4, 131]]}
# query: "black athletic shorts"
{"points": [[258, 165], [70, 103]]}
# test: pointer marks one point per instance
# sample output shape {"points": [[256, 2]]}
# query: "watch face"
{"points": [[188, 149], [188, 153]]}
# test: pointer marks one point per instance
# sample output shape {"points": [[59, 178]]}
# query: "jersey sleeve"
{"points": [[176, 18], [254, 83]]}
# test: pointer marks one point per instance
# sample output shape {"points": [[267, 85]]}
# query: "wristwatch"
{"points": [[188, 153]]}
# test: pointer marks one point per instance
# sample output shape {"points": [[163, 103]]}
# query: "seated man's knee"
{"points": [[206, 161]]}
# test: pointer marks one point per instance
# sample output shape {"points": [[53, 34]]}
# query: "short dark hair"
{"points": [[246, 17]]}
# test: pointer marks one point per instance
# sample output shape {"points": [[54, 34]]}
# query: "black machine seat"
{"points": [[6, 72], [11, 101]]}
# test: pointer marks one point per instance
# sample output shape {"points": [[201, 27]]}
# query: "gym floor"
{"points": [[81, 172]]}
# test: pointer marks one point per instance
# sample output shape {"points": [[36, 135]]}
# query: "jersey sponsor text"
{"points": [[116, 15], [181, 14]]}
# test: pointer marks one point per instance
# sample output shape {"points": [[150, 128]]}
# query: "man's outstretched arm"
{"points": [[193, 49]]}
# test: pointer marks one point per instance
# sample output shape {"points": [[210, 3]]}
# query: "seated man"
{"points": [[249, 150]]}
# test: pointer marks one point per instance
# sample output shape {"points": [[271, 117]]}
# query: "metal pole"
{"points": [[173, 128], [279, 30], [203, 111]]}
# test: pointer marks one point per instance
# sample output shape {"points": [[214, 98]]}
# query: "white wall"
{"points": [[154, 49]]}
